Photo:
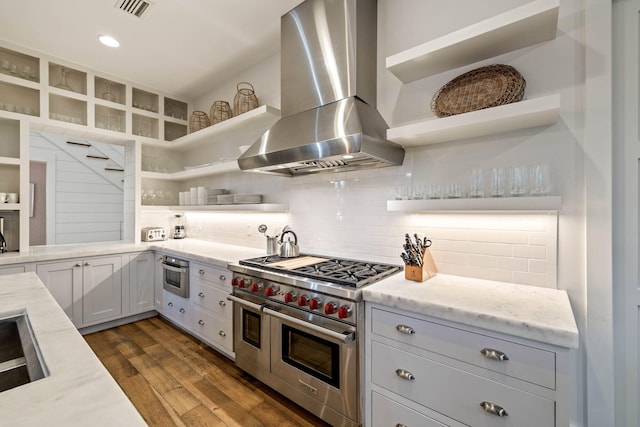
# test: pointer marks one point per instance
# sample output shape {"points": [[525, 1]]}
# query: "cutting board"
{"points": [[294, 263]]}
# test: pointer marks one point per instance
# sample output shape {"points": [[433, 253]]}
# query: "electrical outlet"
{"points": [[249, 230]]}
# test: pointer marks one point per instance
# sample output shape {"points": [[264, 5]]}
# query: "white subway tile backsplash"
{"points": [[482, 261], [533, 252], [512, 264], [500, 249], [467, 247], [532, 279]]}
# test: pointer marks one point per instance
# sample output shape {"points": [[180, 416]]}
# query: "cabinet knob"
{"points": [[182, 310], [490, 353], [222, 303], [405, 375], [222, 333], [170, 304], [201, 322], [87, 264], [223, 277], [201, 271], [494, 409], [78, 264], [400, 425], [201, 294], [404, 329]]}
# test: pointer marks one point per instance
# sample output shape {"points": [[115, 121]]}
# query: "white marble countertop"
{"points": [[79, 391], [198, 250], [535, 313]]}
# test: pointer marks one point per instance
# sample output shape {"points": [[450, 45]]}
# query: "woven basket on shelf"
{"points": [[198, 120], [477, 89], [220, 111], [245, 99]]}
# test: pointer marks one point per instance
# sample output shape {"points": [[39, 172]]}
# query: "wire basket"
{"points": [[198, 120], [484, 87], [220, 111], [245, 99]]}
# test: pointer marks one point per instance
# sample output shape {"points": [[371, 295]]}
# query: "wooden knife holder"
{"points": [[420, 274]]}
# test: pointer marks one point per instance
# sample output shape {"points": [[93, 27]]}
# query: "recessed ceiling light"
{"points": [[109, 41]]}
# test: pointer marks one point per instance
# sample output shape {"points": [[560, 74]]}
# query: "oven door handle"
{"points": [[341, 336], [176, 269], [241, 301]]}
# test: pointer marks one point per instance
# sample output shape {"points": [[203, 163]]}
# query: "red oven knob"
{"points": [[241, 283], [271, 291], [234, 281], [315, 303], [330, 308], [255, 287], [289, 297], [302, 300], [344, 312]]}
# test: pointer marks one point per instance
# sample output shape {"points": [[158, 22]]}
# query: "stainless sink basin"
{"points": [[20, 358]]}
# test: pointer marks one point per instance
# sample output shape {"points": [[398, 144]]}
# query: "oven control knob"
{"points": [[330, 308], [271, 291], [255, 287], [315, 303], [234, 281], [289, 297], [303, 300], [241, 283], [344, 312]]}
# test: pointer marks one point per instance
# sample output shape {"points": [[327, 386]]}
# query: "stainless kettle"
{"points": [[289, 249]]}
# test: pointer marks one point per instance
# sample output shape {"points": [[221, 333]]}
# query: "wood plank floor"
{"points": [[175, 380]]}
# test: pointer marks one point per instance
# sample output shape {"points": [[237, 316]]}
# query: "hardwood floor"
{"points": [[175, 380]]}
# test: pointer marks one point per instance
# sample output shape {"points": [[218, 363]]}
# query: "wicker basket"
{"points": [[198, 120], [220, 111], [477, 89], [245, 99]]}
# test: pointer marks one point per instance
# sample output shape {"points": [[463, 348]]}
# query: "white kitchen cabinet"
{"points": [[14, 269], [212, 313], [177, 309], [142, 284], [159, 283], [454, 374], [89, 290]]}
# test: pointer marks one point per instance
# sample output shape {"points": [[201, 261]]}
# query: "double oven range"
{"points": [[296, 328]]}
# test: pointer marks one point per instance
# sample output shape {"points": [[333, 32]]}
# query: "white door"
{"points": [[626, 146]]}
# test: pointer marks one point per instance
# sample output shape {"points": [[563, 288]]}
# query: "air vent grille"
{"points": [[133, 7]]}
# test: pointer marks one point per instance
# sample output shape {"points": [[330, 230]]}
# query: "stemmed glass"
{"points": [[63, 80]]}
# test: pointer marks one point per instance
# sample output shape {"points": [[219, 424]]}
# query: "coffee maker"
{"points": [[179, 232]]}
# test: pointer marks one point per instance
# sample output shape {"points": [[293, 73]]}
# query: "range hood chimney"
{"points": [[328, 80]]}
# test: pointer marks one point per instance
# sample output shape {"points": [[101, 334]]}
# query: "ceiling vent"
{"points": [[134, 7]]}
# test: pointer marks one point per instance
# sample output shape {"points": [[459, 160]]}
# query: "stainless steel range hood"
{"points": [[328, 81]]}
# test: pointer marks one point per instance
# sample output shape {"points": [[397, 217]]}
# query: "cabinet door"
{"points": [[141, 282], [64, 282], [102, 289]]}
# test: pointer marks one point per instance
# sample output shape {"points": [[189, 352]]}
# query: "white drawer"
{"points": [[455, 393], [524, 362], [177, 308], [213, 299], [210, 274], [386, 412], [215, 329]]}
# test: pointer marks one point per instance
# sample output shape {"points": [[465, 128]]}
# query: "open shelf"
{"points": [[212, 169], [518, 115], [497, 204], [9, 207], [9, 161], [259, 207], [526, 25], [260, 118]]}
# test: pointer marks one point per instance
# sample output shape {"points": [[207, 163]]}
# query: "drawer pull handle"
{"points": [[201, 294], [405, 375], [201, 271], [182, 310], [201, 322], [490, 353], [222, 333], [404, 329], [223, 277], [222, 303], [494, 409]]}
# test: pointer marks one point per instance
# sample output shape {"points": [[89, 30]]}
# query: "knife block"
{"points": [[420, 274]]}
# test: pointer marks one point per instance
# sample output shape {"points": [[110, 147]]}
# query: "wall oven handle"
{"points": [[176, 269], [344, 337], [241, 301]]}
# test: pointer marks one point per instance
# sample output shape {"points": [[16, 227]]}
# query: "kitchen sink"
{"points": [[20, 358]]}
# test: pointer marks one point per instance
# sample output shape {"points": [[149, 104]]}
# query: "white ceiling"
{"points": [[181, 47]]}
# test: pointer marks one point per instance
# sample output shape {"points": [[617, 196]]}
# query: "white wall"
{"points": [[85, 207]]}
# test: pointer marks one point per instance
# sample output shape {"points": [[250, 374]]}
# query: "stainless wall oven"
{"points": [[299, 335], [175, 273]]}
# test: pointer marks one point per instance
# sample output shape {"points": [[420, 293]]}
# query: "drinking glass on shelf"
{"points": [[498, 180], [434, 192], [477, 183], [402, 192], [519, 180], [539, 179], [417, 192]]}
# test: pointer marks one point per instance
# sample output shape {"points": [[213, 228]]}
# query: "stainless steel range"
{"points": [[296, 328]]}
